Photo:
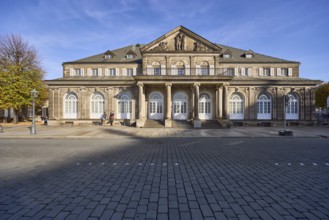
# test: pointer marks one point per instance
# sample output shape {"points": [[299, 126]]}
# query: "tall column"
{"points": [[168, 114], [220, 102], [197, 96], [168, 121], [196, 121], [140, 101]]}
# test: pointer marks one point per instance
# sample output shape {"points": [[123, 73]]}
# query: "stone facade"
{"points": [[181, 76]]}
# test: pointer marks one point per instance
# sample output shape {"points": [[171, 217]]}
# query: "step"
{"points": [[181, 124]]}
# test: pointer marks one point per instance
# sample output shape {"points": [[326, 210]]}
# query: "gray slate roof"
{"points": [[119, 56], [237, 56]]}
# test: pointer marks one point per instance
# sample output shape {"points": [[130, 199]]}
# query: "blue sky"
{"points": [[66, 30]]}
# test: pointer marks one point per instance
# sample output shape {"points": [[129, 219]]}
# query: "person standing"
{"points": [[111, 118], [103, 118]]}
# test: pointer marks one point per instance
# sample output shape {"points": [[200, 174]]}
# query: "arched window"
{"points": [[264, 107], [205, 106], [70, 106], [156, 106], [292, 107], [124, 106], [236, 107], [179, 105], [97, 105], [204, 68], [180, 68]]}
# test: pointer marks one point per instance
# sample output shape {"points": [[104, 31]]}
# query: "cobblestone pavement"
{"points": [[165, 178]]}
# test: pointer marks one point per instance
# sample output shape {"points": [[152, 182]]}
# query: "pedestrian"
{"points": [[103, 118], [45, 122], [111, 118]]}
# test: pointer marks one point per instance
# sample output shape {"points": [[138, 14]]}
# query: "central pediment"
{"points": [[180, 40]]}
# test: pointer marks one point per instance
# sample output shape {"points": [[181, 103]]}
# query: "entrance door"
{"points": [[124, 106], [205, 107], [180, 106], [156, 106]]}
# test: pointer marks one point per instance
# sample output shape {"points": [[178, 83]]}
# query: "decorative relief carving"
{"points": [[162, 46], [198, 46], [180, 42]]}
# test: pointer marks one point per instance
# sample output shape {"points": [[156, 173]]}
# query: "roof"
{"points": [[238, 56], [119, 56]]}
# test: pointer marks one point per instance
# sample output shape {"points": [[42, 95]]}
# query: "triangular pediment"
{"points": [[180, 39]]}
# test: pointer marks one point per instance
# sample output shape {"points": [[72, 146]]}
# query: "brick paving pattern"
{"points": [[179, 178]]}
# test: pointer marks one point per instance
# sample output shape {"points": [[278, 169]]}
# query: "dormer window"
{"points": [[249, 54], [227, 54], [130, 56], [108, 54]]}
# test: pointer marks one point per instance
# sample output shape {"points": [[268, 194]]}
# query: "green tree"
{"points": [[20, 72], [321, 95]]}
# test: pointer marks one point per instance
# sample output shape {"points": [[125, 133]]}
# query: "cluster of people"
{"points": [[110, 118]]}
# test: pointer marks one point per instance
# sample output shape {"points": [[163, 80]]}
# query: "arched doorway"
{"points": [[292, 107], [124, 106], [180, 106], [156, 106], [97, 105], [236, 107], [205, 112], [264, 107], [71, 106]]}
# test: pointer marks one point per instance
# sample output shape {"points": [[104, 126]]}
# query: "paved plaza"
{"points": [[164, 178]]}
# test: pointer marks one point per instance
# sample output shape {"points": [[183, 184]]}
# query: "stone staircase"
{"points": [[182, 124], [154, 124], [210, 124]]}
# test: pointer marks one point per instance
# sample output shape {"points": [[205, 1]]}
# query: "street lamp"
{"points": [[34, 95]]}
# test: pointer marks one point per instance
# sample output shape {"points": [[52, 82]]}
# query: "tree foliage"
{"points": [[321, 95], [20, 72]]}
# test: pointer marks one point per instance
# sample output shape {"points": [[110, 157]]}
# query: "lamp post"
{"points": [[34, 95]]}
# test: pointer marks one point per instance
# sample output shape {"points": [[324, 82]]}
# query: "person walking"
{"points": [[111, 118]]}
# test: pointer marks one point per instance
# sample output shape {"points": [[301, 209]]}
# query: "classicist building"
{"points": [[181, 76]]}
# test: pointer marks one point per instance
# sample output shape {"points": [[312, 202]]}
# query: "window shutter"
{"points": [[107, 71], [124, 72], [278, 71], [260, 72], [71, 72], [290, 72], [197, 70], [249, 71], [163, 70], [236, 71], [134, 71], [82, 71], [174, 71], [117, 71], [187, 70], [272, 71], [149, 70], [243, 71], [89, 72]]}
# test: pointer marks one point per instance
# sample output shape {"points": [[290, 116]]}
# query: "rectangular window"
{"points": [[95, 72], [267, 72], [77, 72], [180, 71], [204, 71], [129, 72], [284, 72], [113, 72], [157, 71], [230, 71]]}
